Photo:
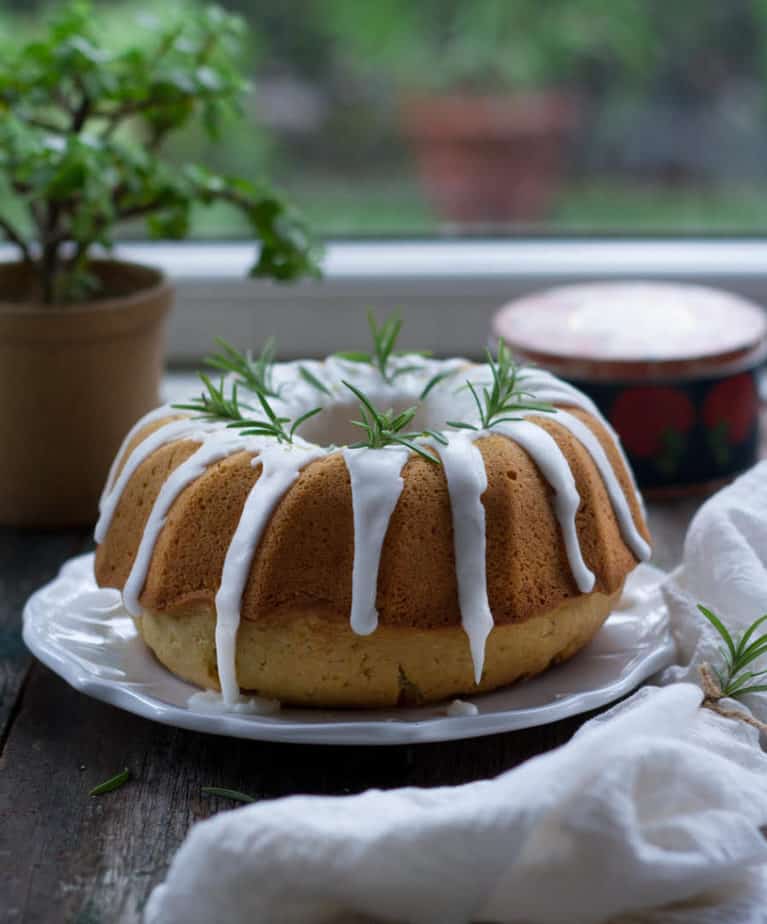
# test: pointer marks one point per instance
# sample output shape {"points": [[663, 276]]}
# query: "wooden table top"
{"points": [[68, 857]]}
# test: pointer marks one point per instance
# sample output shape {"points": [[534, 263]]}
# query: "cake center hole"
{"points": [[333, 426]]}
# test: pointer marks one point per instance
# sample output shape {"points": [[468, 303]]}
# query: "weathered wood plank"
{"points": [[27, 560], [95, 859]]}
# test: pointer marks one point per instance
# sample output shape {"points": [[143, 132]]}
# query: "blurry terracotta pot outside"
{"points": [[73, 380], [490, 159]]}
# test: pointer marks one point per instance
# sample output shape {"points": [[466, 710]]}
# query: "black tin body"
{"points": [[684, 435]]}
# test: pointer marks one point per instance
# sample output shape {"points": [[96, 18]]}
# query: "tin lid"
{"points": [[622, 330]]}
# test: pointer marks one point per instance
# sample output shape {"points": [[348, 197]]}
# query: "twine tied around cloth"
{"points": [[712, 693]]}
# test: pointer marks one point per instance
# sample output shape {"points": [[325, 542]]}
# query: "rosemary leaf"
{"points": [[500, 402], [404, 441], [299, 420], [433, 382], [720, 628], [114, 782], [312, 379], [384, 341], [734, 679], [214, 405], [228, 794], [254, 374], [383, 428]]}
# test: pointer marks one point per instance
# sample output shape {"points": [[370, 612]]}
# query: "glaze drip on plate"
{"points": [[376, 483]]}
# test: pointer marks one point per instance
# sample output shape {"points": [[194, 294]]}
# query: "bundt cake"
{"points": [[266, 539]]}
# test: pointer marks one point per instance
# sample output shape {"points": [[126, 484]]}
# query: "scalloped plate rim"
{"points": [[435, 726]]}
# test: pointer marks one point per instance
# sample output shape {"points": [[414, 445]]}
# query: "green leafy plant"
{"points": [[254, 374], [493, 44], [386, 428], [384, 340], [214, 405], [737, 654], [506, 398], [82, 128]]}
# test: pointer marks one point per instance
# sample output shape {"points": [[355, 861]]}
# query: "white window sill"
{"points": [[446, 290]]}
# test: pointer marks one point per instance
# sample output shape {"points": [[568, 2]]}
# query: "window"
{"points": [[496, 122], [495, 116]]}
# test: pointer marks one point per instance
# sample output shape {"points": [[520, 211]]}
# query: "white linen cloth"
{"points": [[652, 813]]}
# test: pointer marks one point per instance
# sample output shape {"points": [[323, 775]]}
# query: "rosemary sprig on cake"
{"points": [[254, 374], [506, 398], [274, 426], [740, 652], [384, 428], [214, 405], [312, 379], [384, 340]]}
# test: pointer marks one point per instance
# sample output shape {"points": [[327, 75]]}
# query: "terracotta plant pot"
{"points": [[490, 158], [73, 380]]}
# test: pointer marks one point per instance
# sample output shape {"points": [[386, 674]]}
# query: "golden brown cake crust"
{"points": [[306, 552], [299, 656]]}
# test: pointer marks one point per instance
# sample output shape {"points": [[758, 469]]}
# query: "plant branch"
{"points": [[82, 110], [16, 238]]}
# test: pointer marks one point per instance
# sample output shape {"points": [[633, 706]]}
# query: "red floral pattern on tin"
{"points": [[729, 413], [735, 403], [653, 422]]}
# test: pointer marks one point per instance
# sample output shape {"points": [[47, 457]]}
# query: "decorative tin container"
{"points": [[674, 368]]}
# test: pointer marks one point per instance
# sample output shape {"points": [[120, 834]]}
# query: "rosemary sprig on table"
{"points": [[234, 794], [216, 406], [114, 782], [737, 655], [383, 428], [506, 398], [254, 374], [384, 340]]}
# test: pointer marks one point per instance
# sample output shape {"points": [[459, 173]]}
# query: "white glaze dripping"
{"points": [[548, 387], [175, 430], [376, 483], [466, 483], [460, 707], [280, 467], [213, 703], [217, 446], [631, 535], [157, 414], [543, 450]]}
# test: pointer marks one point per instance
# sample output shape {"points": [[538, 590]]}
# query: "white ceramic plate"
{"points": [[83, 634]]}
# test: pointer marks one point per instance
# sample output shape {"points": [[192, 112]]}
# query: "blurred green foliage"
{"points": [[84, 123], [491, 45], [351, 169]]}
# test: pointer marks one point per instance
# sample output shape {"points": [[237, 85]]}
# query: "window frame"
{"points": [[447, 290]]}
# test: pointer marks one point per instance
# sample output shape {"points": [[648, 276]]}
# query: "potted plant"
{"points": [[82, 128], [488, 101]]}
